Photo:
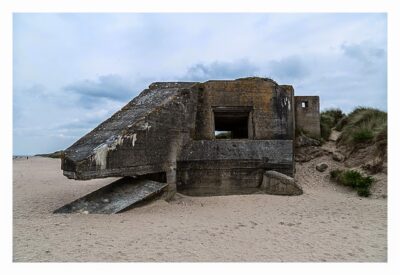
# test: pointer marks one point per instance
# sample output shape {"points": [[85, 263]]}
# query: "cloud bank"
{"points": [[72, 71]]}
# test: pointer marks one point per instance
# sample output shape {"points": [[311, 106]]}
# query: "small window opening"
{"points": [[231, 125], [304, 104]]}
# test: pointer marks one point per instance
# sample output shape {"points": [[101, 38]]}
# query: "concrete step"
{"points": [[115, 197]]}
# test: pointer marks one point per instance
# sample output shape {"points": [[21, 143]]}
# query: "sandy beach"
{"points": [[327, 223]]}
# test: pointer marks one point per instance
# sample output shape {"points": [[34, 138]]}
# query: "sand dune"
{"points": [[326, 223]]}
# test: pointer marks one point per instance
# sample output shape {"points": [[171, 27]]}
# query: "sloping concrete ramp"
{"points": [[115, 197]]}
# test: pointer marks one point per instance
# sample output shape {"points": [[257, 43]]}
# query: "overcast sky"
{"points": [[72, 71]]}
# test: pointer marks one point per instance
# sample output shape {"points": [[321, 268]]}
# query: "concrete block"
{"points": [[276, 183]]}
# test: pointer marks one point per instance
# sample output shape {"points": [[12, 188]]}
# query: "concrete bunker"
{"points": [[213, 138], [307, 115]]}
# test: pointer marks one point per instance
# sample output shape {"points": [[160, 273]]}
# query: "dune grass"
{"points": [[353, 179], [364, 125], [329, 119]]}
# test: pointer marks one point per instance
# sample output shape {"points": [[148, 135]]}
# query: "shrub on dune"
{"points": [[329, 118], [364, 125], [353, 179]]}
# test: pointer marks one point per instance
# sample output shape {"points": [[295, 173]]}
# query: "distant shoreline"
{"points": [[50, 155]]}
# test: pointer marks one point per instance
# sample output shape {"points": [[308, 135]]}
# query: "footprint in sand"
{"points": [[239, 225]]}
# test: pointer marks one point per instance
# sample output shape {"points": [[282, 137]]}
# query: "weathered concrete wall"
{"points": [[307, 115], [143, 137], [271, 107], [231, 167]]}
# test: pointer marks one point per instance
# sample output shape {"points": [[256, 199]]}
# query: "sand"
{"points": [[326, 223]]}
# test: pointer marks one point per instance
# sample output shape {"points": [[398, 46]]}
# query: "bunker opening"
{"points": [[231, 123]]}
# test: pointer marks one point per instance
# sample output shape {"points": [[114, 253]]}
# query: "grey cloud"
{"points": [[289, 68], [56, 137], [112, 87], [363, 52], [79, 125], [36, 90], [220, 70]]}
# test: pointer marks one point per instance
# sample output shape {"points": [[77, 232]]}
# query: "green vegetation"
{"points": [[335, 173], [343, 121], [362, 135], [329, 119], [364, 125], [353, 179]]}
